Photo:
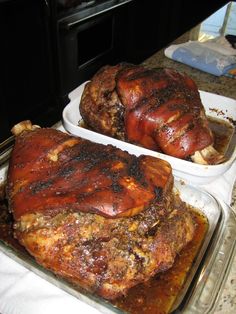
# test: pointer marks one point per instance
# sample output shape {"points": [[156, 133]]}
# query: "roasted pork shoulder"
{"points": [[95, 215], [159, 109]]}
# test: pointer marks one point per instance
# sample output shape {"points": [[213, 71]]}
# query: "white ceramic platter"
{"points": [[216, 106]]}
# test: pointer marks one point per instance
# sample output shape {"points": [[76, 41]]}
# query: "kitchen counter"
{"points": [[223, 86]]}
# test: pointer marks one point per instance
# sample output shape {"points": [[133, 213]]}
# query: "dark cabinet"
{"points": [[27, 90]]}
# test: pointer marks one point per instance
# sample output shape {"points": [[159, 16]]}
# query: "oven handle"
{"points": [[77, 18]]}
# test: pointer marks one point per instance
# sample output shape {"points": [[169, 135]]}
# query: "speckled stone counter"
{"points": [[223, 86]]}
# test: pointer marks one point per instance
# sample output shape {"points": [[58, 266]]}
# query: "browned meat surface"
{"points": [[159, 109], [95, 215]]}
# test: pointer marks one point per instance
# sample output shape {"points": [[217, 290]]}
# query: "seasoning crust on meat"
{"points": [[95, 215]]}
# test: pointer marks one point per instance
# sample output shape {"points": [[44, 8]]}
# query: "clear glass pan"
{"points": [[206, 279]]}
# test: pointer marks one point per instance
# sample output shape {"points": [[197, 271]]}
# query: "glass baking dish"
{"points": [[205, 280]]}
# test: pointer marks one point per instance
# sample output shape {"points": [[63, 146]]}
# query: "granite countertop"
{"points": [[223, 86]]}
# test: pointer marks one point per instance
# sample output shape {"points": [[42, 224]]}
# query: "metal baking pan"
{"points": [[205, 280], [216, 106]]}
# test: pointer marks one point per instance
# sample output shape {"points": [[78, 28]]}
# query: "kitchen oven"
{"points": [[89, 34], [49, 47]]}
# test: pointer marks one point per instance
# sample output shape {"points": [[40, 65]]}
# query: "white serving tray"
{"points": [[215, 105]]}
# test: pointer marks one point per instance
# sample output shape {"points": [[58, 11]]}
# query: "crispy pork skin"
{"points": [[159, 109], [95, 215]]}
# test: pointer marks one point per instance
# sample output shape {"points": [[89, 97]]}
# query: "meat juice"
{"points": [[158, 294], [223, 134]]}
